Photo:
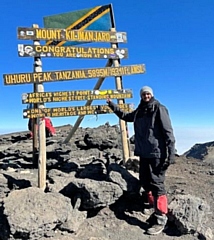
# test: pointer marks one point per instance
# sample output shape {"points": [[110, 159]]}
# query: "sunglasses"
{"points": [[146, 93]]}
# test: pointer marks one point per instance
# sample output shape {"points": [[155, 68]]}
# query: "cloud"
{"points": [[187, 137], [11, 130]]}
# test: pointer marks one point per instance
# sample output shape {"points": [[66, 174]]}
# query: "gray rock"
{"points": [[32, 213], [93, 193], [120, 176], [89, 171], [189, 213], [102, 137]]}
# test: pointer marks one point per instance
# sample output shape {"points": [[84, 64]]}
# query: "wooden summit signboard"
{"points": [[71, 111], [71, 32], [70, 35], [70, 52], [66, 75], [44, 97]]}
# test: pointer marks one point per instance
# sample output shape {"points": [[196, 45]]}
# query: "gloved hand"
{"points": [[170, 160], [165, 165], [108, 100]]}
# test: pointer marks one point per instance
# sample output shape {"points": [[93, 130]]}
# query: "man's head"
{"points": [[146, 93]]}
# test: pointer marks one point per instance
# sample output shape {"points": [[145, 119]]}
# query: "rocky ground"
{"points": [[91, 195]]}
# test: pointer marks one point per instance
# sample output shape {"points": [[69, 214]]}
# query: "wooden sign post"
{"points": [[41, 127], [123, 129], [88, 103], [38, 98]]}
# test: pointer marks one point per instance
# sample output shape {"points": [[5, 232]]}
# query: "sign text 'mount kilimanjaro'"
{"points": [[79, 95], [66, 75], [72, 111], [70, 52], [71, 35]]}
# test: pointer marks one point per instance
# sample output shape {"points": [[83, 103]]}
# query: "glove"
{"points": [[170, 160], [108, 100], [165, 165]]}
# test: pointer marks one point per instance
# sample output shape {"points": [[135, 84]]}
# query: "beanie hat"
{"points": [[146, 89]]}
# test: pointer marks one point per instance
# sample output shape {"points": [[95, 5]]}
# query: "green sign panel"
{"points": [[71, 111], [70, 35], [44, 97], [66, 75], [70, 52]]}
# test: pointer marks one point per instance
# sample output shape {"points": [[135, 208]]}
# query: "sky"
{"points": [[174, 39]]}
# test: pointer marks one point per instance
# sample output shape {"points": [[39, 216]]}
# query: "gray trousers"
{"points": [[152, 176]]}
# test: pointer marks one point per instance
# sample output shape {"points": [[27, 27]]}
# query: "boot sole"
{"points": [[155, 233]]}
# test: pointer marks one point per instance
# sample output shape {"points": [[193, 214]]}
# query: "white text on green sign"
{"points": [[72, 111], [44, 97]]}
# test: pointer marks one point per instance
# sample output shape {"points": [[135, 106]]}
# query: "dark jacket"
{"points": [[154, 136]]}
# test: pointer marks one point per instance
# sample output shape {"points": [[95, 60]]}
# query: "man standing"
{"points": [[155, 145]]}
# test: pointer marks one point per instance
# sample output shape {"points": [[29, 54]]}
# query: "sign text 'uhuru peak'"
{"points": [[42, 77]]}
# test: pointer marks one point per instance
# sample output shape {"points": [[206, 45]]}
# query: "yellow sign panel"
{"points": [[44, 97], [70, 35], [71, 111], [44, 77]]}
